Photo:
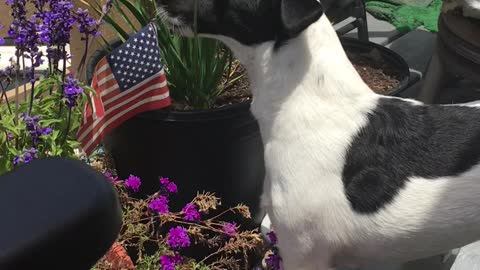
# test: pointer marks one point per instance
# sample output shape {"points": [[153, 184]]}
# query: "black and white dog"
{"points": [[352, 177]]}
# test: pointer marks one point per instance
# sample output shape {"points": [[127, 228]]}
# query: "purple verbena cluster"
{"points": [[133, 182], [230, 229], [273, 261], [168, 262], [190, 212], [159, 205], [178, 238]]}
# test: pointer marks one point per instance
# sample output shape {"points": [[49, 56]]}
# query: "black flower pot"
{"points": [[217, 150]]}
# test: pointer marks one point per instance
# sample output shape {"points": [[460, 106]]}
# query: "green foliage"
{"points": [[48, 106], [195, 67]]}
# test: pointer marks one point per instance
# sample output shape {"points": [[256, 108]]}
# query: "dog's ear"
{"points": [[297, 15]]}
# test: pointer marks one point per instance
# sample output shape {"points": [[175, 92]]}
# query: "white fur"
{"points": [[310, 102], [470, 8]]}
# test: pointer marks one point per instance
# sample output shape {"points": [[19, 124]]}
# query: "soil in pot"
{"points": [[235, 93], [379, 75]]}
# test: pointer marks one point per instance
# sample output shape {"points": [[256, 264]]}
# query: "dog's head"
{"points": [[249, 22]]}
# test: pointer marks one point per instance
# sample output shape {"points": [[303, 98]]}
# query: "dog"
{"points": [[352, 177]]}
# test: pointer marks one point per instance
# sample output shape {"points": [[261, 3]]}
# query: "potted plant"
{"points": [[208, 139], [153, 221]]}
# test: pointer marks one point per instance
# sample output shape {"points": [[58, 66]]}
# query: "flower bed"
{"points": [[198, 224]]}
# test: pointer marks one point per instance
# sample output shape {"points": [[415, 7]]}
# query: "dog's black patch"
{"points": [[249, 22], [402, 140]]}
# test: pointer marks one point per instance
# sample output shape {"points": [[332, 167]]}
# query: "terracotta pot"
{"points": [[118, 257]]}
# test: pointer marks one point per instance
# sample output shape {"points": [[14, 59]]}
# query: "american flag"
{"points": [[128, 81]]}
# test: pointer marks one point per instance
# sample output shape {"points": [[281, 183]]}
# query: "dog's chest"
{"points": [[305, 146]]}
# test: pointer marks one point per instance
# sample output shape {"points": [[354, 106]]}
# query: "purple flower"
{"points": [[159, 205], [10, 136], [10, 2], [178, 238], [133, 182], [71, 91], [190, 212], [33, 128], [273, 237], [110, 177], [2, 41], [17, 159], [164, 181], [169, 262], [273, 261], [47, 131], [57, 24], [172, 187], [87, 25], [230, 228], [27, 156]]}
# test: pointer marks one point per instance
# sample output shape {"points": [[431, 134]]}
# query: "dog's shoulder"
{"points": [[404, 139]]}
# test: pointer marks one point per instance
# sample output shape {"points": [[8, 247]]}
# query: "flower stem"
{"points": [[32, 90], [67, 129], [17, 101], [24, 76]]}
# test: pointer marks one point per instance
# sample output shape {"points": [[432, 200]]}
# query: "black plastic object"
{"points": [[216, 150], [56, 214], [392, 58]]}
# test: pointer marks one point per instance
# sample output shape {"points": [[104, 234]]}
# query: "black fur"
{"points": [[402, 140], [249, 22]]}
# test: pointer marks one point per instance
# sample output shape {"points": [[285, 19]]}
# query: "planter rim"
{"points": [[222, 113], [392, 58]]}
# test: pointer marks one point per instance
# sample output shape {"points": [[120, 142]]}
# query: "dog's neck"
{"points": [[312, 64]]}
